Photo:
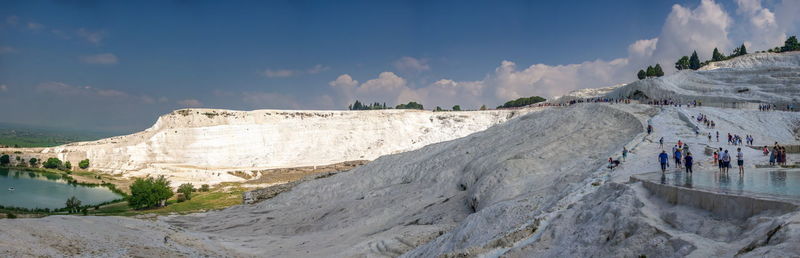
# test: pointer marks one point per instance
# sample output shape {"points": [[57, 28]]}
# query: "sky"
{"points": [[116, 66]]}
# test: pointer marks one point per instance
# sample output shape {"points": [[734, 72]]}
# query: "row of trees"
{"points": [[790, 44], [360, 106], [410, 105], [651, 71], [693, 61], [52, 163], [521, 102]]}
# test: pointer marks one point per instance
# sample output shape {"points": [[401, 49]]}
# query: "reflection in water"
{"points": [[783, 182]]}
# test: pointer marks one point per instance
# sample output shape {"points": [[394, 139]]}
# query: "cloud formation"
{"points": [[410, 64], [94, 37], [702, 28], [283, 73], [104, 59], [3, 88]]}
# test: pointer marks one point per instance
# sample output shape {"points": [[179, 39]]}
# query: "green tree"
{"points": [[186, 189], [52, 163], [717, 56], [790, 44], [740, 51], [33, 162], [438, 108], [410, 105], [204, 188], [694, 61], [658, 71], [149, 192], [641, 75], [68, 165], [73, 204], [682, 63], [651, 72], [456, 108], [84, 164], [5, 160], [483, 107]]}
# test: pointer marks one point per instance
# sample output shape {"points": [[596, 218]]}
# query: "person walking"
{"points": [[716, 158], [624, 154], [717, 135], [661, 142], [688, 162], [678, 158], [663, 158], [740, 160]]}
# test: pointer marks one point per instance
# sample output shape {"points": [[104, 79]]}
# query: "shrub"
{"points": [[84, 164], [521, 102], [68, 165], [10, 215], [33, 162], [186, 190], [204, 188], [456, 108], [181, 197], [52, 163], [85, 211], [149, 192]]}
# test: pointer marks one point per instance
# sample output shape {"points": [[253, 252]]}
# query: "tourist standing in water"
{"points": [[740, 160], [663, 158], [688, 162], [677, 157], [726, 161]]}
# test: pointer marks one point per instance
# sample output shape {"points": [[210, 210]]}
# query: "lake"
{"points": [[42, 190]]}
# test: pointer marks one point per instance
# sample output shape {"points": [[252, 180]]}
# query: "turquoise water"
{"points": [[780, 182], [35, 190]]}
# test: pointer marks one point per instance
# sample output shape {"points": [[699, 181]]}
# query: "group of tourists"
{"points": [[710, 124], [735, 139], [777, 155], [766, 107], [723, 160]]}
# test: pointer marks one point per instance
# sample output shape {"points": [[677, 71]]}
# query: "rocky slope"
{"points": [[201, 145]]}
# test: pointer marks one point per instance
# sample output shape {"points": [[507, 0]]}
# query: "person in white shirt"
{"points": [[740, 160]]}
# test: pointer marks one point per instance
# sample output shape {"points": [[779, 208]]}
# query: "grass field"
{"points": [[14, 135]]}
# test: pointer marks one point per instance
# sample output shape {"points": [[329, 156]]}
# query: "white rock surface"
{"points": [[201, 145]]}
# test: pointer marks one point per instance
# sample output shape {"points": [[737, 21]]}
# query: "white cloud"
{"points": [[3, 88], [35, 26], [190, 103], [317, 69], [7, 50], [762, 26], [410, 64], [66, 90], [105, 59], [278, 73], [282, 73], [643, 48], [12, 20], [94, 37]]}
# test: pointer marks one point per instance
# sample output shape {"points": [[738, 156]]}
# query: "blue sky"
{"points": [[118, 65]]}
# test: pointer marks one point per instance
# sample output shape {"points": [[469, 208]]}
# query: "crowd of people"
{"points": [[777, 156]]}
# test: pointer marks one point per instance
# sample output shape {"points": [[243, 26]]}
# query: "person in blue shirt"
{"points": [[678, 158], [688, 162], [663, 158]]}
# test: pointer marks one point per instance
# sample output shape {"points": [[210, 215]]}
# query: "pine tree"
{"points": [[694, 61], [651, 72], [682, 63], [717, 56], [742, 50], [658, 70], [641, 75]]}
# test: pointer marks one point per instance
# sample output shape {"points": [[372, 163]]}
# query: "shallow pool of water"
{"points": [[779, 182], [39, 190]]}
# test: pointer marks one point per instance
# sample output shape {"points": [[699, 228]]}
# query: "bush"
{"points": [[52, 163], [10, 215], [68, 165], [181, 197], [5, 160], [186, 189], [149, 192], [456, 108], [204, 188], [84, 164], [410, 105], [521, 102], [33, 162]]}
